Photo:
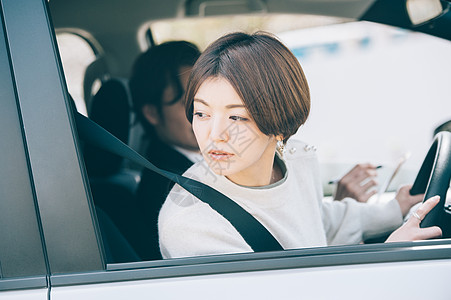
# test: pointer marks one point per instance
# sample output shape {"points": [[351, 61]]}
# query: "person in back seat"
{"points": [[157, 85]]}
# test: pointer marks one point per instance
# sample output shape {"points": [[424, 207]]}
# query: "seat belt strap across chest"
{"points": [[253, 232]]}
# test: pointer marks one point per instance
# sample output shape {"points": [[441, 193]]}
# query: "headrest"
{"points": [[110, 109]]}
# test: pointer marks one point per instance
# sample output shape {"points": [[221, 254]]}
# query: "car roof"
{"points": [[85, 14], [114, 25]]}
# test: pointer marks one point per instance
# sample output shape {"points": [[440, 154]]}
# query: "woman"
{"points": [[247, 95]]}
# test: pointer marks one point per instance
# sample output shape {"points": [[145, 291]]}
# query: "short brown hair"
{"points": [[264, 73]]}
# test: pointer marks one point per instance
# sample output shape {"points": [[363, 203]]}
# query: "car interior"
{"points": [[116, 32]]}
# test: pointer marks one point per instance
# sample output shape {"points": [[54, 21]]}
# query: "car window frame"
{"points": [[71, 236], [332, 256]]}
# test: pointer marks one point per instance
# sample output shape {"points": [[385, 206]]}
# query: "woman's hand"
{"points": [[406, 200], [411, 231]]}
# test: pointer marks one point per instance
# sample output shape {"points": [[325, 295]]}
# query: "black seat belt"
{"points": [[253, 232]]}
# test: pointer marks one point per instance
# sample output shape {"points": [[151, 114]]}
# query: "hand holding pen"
{"points": [[357, 183]]}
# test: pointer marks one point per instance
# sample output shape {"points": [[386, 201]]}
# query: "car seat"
{"points": [[117, 248], [110, 109], [113, 186]]}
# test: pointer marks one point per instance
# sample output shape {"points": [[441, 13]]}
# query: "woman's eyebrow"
{"points": [[201, 101], [234, 106]]}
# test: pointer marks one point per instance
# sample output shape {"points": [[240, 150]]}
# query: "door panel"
{"points": [[39, 294], [368, 281]]}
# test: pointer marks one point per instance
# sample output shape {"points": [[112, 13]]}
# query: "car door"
{"points": [[51, 247]]}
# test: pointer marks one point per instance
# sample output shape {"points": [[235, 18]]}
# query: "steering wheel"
{"points": [[434, 179]]}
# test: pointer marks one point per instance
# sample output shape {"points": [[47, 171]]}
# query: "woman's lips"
{"points": [[219, 155]]}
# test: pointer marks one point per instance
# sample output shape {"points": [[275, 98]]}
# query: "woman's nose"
{"points": [[219, 131]]}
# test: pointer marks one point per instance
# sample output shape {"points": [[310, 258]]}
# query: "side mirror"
{"points": [[422, 11]]}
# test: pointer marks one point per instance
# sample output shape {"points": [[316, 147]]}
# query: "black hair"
{"points": [[156, 69]]}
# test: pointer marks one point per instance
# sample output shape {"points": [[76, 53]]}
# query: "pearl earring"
{"points": [[280, 148]]}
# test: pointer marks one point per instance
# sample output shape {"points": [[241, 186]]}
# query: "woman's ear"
{"points": [[150, 112]]}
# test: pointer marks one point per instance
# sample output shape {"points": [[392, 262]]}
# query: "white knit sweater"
{"points": [[293, 210]]}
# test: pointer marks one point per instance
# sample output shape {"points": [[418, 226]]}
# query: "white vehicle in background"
{"points": [[57, 242]]}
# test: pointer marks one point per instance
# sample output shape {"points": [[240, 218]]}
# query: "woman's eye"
{"points": [[238, 118], [200, 115]]}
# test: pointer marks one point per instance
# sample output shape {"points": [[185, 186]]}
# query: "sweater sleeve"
{"points": [[351, 222], [348, 221]]}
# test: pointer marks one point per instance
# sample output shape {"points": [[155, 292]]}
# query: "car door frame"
{"points": [[66, 215]]}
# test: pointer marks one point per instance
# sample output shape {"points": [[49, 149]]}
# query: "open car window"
{"points": [[369, 84]]}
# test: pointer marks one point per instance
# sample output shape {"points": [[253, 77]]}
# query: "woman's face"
{"points": [[229, 139]]}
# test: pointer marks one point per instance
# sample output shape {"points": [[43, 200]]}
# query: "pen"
{"points": [[335, 181]]}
